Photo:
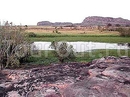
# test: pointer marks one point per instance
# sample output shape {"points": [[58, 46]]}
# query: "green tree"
{"points": [[63, 51]]}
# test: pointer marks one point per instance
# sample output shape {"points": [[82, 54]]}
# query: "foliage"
{"points": [[79, 57], [108, 25], [125, 32], [117, 25], [42, 58], [63, 50], [14, 48], [83, 37], [31, 34], [56, 31], [127, 25]]}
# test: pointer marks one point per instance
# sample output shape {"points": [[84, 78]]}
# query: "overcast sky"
{"points": [[29, 12]]}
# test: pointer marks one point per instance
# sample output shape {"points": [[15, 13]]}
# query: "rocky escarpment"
{"points": [[96, 20], [90, 21], [105, 77], [47, 23]]}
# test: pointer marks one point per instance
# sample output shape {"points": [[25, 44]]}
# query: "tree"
{"points": [[63, 50], [117, 25], [14, 48], [125, 32], [127, 25], [109, 25]]}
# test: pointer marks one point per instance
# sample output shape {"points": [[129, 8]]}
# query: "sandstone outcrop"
{"points": [[96, 20], [105, 77], [90, 21], [56, 24]]}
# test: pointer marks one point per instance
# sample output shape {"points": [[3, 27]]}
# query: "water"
{"points": [[82, 46]]}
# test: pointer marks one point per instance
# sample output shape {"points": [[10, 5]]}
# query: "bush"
{"points": [[63, 51], [125, 32], [14, 48], [31, 34], [58, 32]]}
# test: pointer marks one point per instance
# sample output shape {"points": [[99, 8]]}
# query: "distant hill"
{"points": [[44, 23], [47, 23], [89, 21], [96, 20]]}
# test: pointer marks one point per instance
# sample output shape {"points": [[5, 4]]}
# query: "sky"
{"points": [[29, 12]]}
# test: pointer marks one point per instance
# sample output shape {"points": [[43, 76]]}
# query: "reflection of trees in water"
{"points": [[124, 44], [129, 45]]}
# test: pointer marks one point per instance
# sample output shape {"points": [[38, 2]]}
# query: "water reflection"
{"points": [[124, 44], [83, 46]]}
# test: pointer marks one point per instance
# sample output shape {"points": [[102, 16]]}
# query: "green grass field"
{"points": [[77, 35], [93, 38], [48, 57]]}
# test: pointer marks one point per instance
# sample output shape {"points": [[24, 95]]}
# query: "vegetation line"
{"points": [[48, 57]]}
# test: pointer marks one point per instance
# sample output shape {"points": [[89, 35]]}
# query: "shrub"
{"points": [[31, 34], [109, 25], [125, 32], [117, 25], [14, 48], [58, 32], [63, 51]]}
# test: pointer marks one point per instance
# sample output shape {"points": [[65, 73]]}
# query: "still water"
{"points": [[83, 46]]}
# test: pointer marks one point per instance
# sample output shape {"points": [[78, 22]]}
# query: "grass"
{"points": [[46, 34], [47, 57], [93, 38], [49, 30], [42, 57]]}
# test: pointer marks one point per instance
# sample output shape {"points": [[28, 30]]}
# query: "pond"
{"points": [[83, 46]]}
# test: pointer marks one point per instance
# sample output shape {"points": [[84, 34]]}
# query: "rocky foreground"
{"points": [[105, 77]]}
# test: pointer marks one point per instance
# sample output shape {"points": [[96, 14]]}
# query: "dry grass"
{"points": [[68, 30]]}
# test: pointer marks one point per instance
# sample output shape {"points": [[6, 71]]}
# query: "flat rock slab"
{"points": [[105, 77]]}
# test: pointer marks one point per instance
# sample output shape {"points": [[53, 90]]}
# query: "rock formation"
{"points": [[56, 24], [105, 77], [96, 20], [90, 21]]}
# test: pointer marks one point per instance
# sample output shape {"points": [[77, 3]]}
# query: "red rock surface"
{"points": [[105, 77]]}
